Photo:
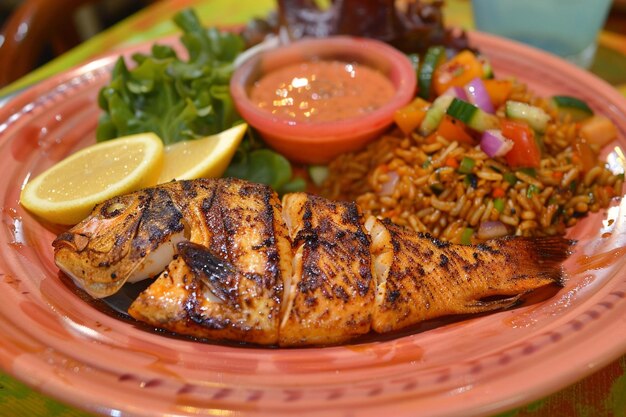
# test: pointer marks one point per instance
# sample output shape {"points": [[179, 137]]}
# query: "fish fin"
{"points": [[218, 275], [495, 303], [164, 303], [538, 266], [534, 256]]}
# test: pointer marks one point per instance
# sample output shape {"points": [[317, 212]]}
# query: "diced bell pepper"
{"points": [[409, 117], [499, 91], [454, 130], [457, 71]]}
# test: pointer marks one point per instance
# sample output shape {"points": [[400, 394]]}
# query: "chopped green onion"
{"points": [[510, 177], [529, 171], [532, 190], [427, 162], [498, 204], [466, 236], [466, 165]]}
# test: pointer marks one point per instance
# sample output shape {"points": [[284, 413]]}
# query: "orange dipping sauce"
{"points": [[322, 91]]}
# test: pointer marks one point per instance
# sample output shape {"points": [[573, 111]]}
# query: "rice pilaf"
{"points": [[415, 181]]}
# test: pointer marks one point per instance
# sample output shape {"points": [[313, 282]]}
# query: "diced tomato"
{"points": [[525, 152], [432, 138], [458, 71], [498, 192], [452, 162], [409, 117], [453, 129], [498, 90]]}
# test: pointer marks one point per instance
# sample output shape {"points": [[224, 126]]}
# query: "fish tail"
{"points": [[420, 277], [538, 256]]}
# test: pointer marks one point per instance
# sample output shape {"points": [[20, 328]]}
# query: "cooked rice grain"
{"points": [[429, 196]]}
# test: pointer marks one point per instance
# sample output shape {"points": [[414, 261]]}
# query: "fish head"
{"points": [[124, 239]]}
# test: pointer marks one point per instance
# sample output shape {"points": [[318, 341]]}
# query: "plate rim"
{"points": [[21, 101]]}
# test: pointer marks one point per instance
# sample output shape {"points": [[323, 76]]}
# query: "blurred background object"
{"points": [[35, 31], [54, 26], [568, 28], [616, 21]]}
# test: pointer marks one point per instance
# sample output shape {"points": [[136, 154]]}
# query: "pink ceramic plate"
{"points": [[60, 344]]}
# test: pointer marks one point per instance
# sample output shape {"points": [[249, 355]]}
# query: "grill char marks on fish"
{"points": [[227, 281], [421, 278], [330, 297], [245, 267]]}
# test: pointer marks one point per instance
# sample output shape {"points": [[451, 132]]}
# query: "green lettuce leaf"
{"points": [[182, 99]]}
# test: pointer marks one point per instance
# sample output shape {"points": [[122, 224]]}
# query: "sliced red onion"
{"points": [[493, 143], [478, 96], [492, 230], [457, 92], [388, 186]]}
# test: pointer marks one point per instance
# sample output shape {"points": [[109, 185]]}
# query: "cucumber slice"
{"points": [[435, 56], [573, 107], [435, 114], [472, 116], [318, 174], [536, 117], [415, 62]]}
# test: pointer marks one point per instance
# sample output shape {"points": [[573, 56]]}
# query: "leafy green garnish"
{"points": [[178, 100], [264, 166], [186, 99]]}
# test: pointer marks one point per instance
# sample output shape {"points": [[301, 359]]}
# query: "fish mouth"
{"points": [[148, 266]]}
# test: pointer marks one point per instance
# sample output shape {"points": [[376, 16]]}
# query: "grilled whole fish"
{"points": [[233, 262]]}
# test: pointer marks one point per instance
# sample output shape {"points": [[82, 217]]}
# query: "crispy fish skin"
{"points": [[420, 277], [304, 271], [227, 281], [330, 297], [179, 301]]}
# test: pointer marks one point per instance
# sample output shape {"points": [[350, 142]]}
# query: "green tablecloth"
{"points": [[602, 394]]}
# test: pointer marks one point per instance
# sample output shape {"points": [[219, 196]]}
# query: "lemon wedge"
{"points": [[67, 192], [201, 158]]}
